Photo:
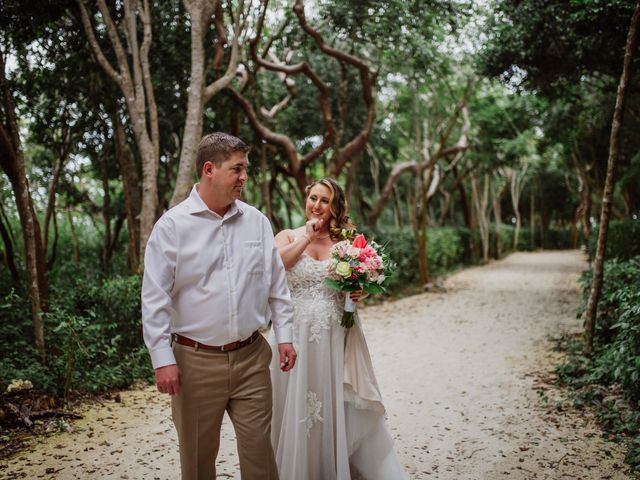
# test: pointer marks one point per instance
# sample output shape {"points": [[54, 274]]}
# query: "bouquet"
{"points": [[358, 265]]}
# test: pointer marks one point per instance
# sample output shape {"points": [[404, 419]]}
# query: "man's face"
{"points": [[227, 180]]}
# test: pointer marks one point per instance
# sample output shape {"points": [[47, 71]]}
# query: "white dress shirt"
{"points": [[213, 279]]}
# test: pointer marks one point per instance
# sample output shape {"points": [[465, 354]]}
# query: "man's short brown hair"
{"points": [[218, 147]]}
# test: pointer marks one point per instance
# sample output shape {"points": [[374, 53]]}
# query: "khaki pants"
{"points": [[214, 382]]}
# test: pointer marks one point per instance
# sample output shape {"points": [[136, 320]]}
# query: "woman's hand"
{"points": [[358, 295], [313, 228]]}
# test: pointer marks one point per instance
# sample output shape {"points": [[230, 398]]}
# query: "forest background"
{"points": [[462, 130]]}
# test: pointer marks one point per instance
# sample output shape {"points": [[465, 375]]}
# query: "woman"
{"points": [[328, 417]]}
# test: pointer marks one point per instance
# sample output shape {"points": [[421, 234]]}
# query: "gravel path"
{"points": [[460, 372]]}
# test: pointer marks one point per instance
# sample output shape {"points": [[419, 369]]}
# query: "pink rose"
{"points": [[367, 252], [360, 241]]}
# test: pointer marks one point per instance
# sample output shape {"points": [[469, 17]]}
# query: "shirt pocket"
{"points": [[253, 257]]}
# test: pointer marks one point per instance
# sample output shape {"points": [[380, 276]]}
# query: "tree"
{"points": [[135, 83], [201, 13], [616, 124], [425, 134], [12, 163], [343, 144]]}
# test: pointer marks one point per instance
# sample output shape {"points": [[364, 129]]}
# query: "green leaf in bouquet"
{"points": [[335, 284], [374, 288], [351, 287]]}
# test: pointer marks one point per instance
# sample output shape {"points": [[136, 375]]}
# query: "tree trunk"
{"points": [[106, 212], [54, 246], [51, 202], [516, 183], [131, 187], [200, 16], [586, 215], [497, 213], [467, 213], [419, 233], [117, 229], [12, 163], [481, 207], [9, 255], [134, 81], [616, 124]]}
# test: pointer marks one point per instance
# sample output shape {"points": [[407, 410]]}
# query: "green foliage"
{"points": [[549, 40], [623, 239], [19, 357], [445, 249], [616, 305], [93, 337], [616, 358]]}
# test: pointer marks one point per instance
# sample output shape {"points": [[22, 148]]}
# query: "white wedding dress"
{"points": [[328, 417]]}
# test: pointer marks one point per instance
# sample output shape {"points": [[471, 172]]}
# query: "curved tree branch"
{"points": [[270, 136], [366, 79]]}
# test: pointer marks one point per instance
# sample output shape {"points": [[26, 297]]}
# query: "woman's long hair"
{"points": [[337, 206]]}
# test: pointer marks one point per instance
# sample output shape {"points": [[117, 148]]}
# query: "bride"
{"points": [[328, 417]]}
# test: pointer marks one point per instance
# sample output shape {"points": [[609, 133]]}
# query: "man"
{"points": [[212, 278]]}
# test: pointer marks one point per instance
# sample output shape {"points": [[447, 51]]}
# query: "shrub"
{"points": [[92, 335], [616, 357], [623, 240], [617, 338], [445, 250]]}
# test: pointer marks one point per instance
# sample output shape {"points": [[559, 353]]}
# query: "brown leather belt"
{"points": [[187, 342]]}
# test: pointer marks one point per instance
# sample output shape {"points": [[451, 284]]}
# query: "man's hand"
{"points": [[287, 356], [168, 379]]}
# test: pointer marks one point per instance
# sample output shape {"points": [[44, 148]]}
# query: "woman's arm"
{"points": [[290, 248]]}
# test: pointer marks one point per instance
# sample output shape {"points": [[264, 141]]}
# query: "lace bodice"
{"points": [[306, 279], [316, 305]]}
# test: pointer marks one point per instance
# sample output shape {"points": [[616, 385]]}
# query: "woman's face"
{"points": [[318, 204]]}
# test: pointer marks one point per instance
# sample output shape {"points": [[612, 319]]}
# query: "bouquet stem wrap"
{"points": [[348, 317]]}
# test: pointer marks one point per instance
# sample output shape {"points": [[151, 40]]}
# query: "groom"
{"points": [[213, 277]]}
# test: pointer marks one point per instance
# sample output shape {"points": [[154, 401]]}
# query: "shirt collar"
{"points": [[197, 205]]}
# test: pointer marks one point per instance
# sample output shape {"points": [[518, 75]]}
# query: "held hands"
{"points": [[168, 379], [287, 356]]}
